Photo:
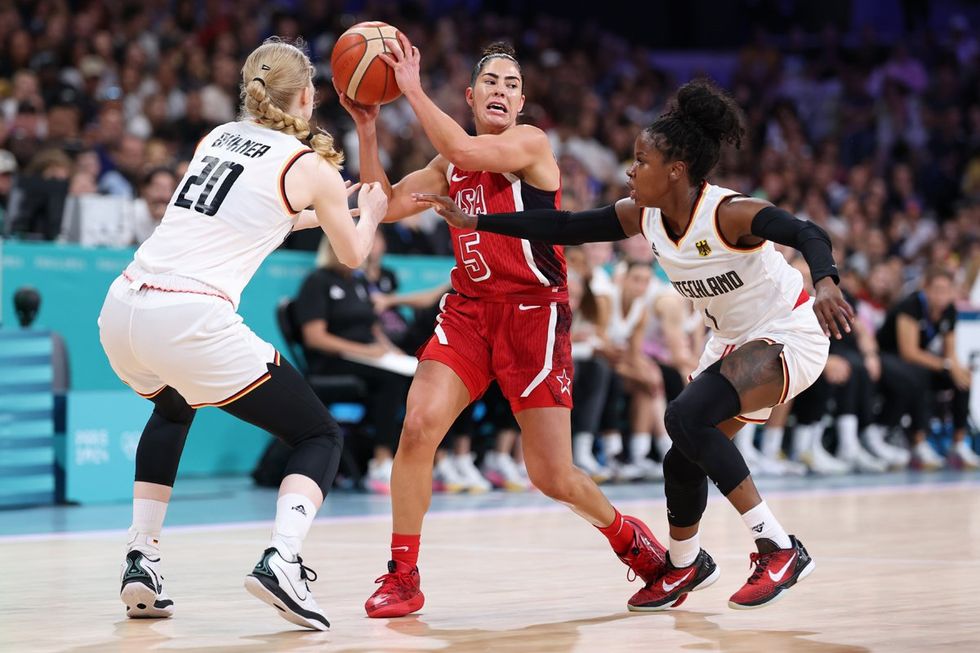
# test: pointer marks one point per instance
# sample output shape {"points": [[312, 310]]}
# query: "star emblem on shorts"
{"points": [[565, 381]]}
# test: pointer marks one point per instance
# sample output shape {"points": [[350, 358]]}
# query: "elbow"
{"points": [[462, 155]]}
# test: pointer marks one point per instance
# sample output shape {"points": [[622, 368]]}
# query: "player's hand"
{"points": [[447, 208], [960, 375], [833, 312], [372, 201], [405, 59], [363, 114]]}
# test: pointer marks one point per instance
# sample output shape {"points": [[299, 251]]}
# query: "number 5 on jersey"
{"points": [[214, 171], [476, 265]]}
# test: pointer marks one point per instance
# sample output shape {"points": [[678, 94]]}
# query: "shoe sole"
{"points": [[707, 582], [778, 595], [142, 603], [284, 605]]}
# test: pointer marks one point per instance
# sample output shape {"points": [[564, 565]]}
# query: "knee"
{"points": [[420, 430], [681, 424], [558, 484]]}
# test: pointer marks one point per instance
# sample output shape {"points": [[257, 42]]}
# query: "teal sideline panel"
{"points": [[26, 419], [104, 417]]}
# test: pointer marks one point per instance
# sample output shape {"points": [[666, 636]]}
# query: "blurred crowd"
{"points": [[102, 104]]}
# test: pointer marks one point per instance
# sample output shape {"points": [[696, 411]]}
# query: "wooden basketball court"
{"points": [[897, 570]]}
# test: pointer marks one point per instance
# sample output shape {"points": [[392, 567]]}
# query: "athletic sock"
{"points": [[619, 533], [144, 533], [763, 525], [405, 548], [294, 516], [684, 552]]}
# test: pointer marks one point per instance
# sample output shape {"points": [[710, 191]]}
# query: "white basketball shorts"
{"points": [[804, 354], [195, 343]]}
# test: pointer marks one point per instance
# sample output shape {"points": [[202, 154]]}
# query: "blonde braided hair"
{"points": [[271, 77]]}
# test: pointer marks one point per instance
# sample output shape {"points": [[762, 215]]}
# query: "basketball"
{"points": [[357, 70]]}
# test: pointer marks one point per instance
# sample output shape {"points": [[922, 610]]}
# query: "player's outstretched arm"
{"points": [[749, 221], [614, 222], [313, 181]]}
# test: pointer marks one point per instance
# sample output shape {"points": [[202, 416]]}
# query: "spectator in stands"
{"points": [[156, 190], [342, 335], [8, 168], [918, 344]]}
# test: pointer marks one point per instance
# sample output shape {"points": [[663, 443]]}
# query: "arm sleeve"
{"points": [[779, 226], [556, 227]]}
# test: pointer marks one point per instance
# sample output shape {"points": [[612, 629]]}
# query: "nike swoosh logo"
{"points": [[670, 587], [399, 548], [455, 178], [782, 572], [525, 307]]}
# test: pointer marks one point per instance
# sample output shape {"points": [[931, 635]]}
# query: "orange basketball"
{"points": [[357, 70]]}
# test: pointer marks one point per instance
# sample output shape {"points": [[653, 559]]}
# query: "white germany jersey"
{"points": [[735, 289], [228, 213]]}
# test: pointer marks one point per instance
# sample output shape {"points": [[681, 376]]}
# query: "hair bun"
{"points": [[499, 48], [710, 109]]}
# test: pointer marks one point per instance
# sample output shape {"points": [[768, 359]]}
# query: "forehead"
{"points": [[503, 67]]}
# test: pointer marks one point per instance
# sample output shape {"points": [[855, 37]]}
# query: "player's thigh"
{"points": [[547, 439], [435, 399], [532, 356]]}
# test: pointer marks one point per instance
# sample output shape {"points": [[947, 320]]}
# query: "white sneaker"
{"points": [[284, 585], [820, 461], [863, 461], [501, 470], [142, 587], [378, 479], [650, 470], [961, 454], [625, 472], [473, 480], [926, 457], [874, 441], [446, 477], [765, 466], [587, 462], [790, 467]]}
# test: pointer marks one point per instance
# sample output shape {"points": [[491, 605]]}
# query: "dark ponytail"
{"points": [[700, 119]]}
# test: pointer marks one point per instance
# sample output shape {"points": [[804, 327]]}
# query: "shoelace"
{"points": [[761, 561], [305, 572]]}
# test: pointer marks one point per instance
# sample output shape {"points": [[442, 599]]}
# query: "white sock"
{"points": [[612, 444], [772, 441], [582, 445], [294, 516], [745, 441], [847, 435], [683, 552], [144, 533], [763, 525], [663, 444], [640, 445]]}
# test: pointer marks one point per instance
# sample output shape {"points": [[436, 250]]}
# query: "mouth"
{"points": [[497, 109]]}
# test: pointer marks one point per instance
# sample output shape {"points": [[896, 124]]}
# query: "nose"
{"points": [[631, 171]]}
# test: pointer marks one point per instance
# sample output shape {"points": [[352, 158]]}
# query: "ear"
{"points": [[521, 106], [469, 96]]}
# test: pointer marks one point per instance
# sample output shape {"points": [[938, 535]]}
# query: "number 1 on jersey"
{"points": [[476, 266], [208, 177]]}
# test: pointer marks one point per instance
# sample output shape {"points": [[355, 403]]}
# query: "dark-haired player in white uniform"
{"points": [[769, 338]]}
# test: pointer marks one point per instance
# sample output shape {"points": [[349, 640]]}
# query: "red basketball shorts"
{"points": [[524, 346]]}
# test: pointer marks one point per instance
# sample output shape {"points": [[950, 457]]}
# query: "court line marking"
{"points": [[500, 511]]}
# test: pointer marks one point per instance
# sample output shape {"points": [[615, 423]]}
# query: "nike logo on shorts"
{"points": [[526, 307]]}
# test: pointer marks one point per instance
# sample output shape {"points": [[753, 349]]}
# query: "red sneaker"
{"points": [[670, 590], [775, 570], [400, 592], [646, 557]]}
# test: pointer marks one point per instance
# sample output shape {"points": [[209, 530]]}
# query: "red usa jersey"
{"points": [[494, 266]]}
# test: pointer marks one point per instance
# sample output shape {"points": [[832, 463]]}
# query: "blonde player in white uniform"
{"points": [[170, 329], [769, 339]]}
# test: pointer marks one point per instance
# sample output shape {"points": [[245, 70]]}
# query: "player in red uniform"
{"points": [[508, 318]]}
